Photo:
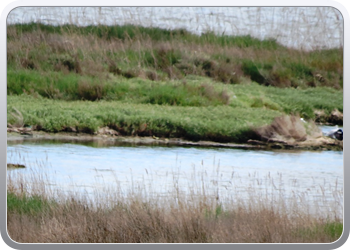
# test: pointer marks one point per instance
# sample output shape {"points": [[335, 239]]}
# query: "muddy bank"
{"points": [[285, 132], [320, 143], [109, 140]]}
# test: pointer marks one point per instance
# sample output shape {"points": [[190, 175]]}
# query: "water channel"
{"points": [[314, 178]]}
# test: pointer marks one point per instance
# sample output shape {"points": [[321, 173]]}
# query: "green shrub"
{"points": [[250, 69]]}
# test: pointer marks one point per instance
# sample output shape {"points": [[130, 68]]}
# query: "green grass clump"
{"points": [[239, 41], [290, 100], [331, 231], [24, 204], [251, 69]]}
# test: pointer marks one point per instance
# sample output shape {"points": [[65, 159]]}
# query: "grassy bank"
{"points": [[252, 106], [160, 54], [151, 81], [36, 214], [213, 122]]}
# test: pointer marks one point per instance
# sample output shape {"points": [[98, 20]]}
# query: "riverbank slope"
{"points": [[151, 82]]}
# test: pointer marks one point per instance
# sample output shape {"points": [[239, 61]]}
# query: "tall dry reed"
{"points": [[136, 215]]}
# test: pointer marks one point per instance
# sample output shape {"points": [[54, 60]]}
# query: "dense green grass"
{"points": [[218, 123], [290, 101], [249, 106], [193, 91]]}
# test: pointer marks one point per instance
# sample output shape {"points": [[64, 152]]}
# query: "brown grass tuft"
{"points": [[90, 91], [286, 129], [28, 64]]}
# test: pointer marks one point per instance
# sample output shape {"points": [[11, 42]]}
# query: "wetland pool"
{"points": [[311, 178]]}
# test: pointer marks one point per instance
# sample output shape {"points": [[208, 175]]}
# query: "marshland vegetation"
{"points": [[168, 83], [143, 81]]}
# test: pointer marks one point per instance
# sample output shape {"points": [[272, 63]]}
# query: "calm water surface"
{"points": [[312, 176]]}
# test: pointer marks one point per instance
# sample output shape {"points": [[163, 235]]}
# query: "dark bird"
{"points": [[336, 134]]}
